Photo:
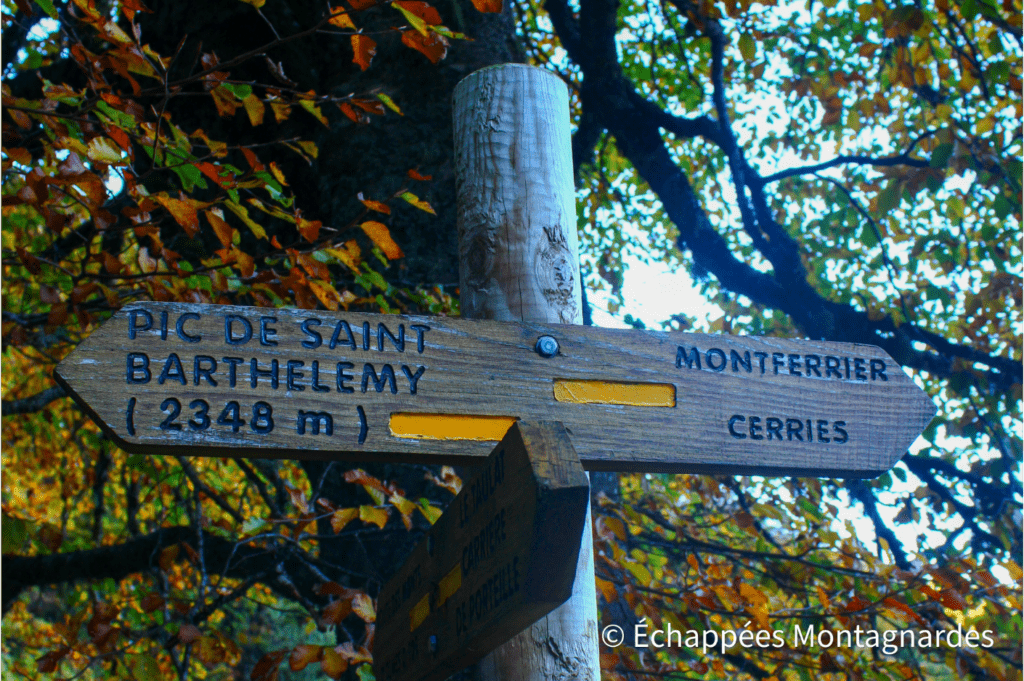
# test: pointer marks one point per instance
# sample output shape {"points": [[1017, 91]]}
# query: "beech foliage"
{"points": [[844, 170]]}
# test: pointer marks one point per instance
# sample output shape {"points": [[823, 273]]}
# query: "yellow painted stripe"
{"points": [[419, 612], [612, 392], [450, 426], [449, 585]]}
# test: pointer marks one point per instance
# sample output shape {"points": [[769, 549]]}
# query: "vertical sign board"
{"points": [[245, 381], [502, 556]]}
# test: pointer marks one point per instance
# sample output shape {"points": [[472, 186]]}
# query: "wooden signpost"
{"points": [[234, 381], [502, 556], [240, 381]]}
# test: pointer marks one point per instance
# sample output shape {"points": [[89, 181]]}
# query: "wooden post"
{"points": [[519, 260]]}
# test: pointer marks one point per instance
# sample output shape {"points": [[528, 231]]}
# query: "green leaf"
{"points": [[252, 525], [867, 235], [14, 531], [48, 7], [144, 667], [241, 91], [389, 103], [747, 47], [414, 21], [365, 673]]}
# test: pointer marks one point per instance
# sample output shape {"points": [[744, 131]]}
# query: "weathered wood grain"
{"points": [[502, 555], [860, 409], [519, 262]]}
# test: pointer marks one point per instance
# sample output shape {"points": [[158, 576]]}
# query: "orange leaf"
{"points": [[360, 5], [313, 267], [47, 664], [335, 612], [223, 230], [188, 633], [420, 9], [183, 211], [266, 668], [303, 655], [253, 160], [380, 236], [347, 109], [309, 229], [335, 589], [491, 6], [374, 106], [376, 516], [167, 557], [152, 602], [433, 46], [607, 589], [422, 178], [225, 100], [364, 47], [376, 205]]}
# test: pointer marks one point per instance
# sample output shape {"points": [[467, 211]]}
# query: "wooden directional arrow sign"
{"points": [[502, 556], [219, 380]]}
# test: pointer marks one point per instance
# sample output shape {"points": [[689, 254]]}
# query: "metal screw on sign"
{"points": [[547, 346]]}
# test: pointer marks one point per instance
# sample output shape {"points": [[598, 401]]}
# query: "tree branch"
{"points": [[28, 405], [903, 160]]}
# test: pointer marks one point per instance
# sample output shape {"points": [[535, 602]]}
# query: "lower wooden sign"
{"points": [[501, 557]]}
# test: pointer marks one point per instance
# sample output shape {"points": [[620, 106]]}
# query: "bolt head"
{"points": [[547, 346]]}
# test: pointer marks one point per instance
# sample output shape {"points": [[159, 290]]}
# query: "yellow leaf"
{"points": [[342, 517], [243, 215], [641, 573], [278, 175], [431, 513], [254, 107], [403, 505], [314, 110], [380, 236], [362, 605], [373, 515], [255, 3], [415, 201], [350, 255], [985, 125], [104, 150], [281, 110], [333, 664], [340, 19]]}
